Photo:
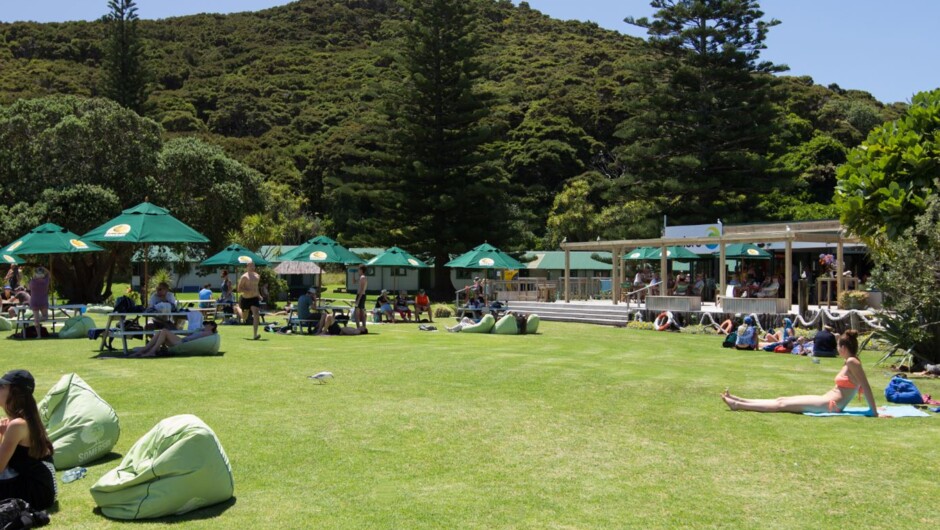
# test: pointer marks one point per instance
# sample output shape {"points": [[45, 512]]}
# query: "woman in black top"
{"points": [[26, 470]]}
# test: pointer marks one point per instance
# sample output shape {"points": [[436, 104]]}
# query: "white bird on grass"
{"points": [[321, 377]]}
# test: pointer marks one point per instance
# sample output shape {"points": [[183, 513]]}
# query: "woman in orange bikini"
{"points": [[851, 379]]}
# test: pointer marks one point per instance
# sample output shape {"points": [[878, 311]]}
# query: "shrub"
{"points": [[442, 310], [634, 324], [853, 300], [698, 329], [161, 276]]}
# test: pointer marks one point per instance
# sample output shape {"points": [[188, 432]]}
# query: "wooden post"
{"points": [[840, 255], [614, 274], [722, 270], [567, 275], [788, 270], [663, 286]]}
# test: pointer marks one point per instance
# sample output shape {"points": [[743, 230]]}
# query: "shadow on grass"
{"points": [[202, 514]]}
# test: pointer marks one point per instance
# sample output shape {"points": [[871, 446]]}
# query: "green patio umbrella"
{"points": [[395, 258], [641, 254], [680, 253], [744, 251], [322, 249], [485, 256], [145, 224], [50, 239], [233, 256]]}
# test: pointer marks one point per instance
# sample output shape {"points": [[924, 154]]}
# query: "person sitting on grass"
{"points": [[328, 326], [26, 469], [167, 338], [401, 305], [464, 322], [850, 380], [423, 305], [747, 335]]}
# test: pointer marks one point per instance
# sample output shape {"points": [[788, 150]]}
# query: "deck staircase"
{"points": [[586, 313]]}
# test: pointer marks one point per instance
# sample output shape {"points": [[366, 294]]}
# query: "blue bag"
{"points": [[902, 390]]}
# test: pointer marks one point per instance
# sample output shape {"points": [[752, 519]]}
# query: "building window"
{"points": [[399, 271], [464, 274]]}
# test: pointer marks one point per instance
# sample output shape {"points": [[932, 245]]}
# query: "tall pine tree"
{"points": [[450, 191], [701, 115], [125, 74]]}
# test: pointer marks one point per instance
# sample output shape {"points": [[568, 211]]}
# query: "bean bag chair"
{"points": [[99, 309], [483, 326], [76, 328], [208, 345], [506, 326], [5, 324], [82, 427], [532, 324], [902, 390], [177, 467]]}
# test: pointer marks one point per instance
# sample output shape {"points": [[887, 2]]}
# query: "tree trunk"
{"points": [[443, 288]]}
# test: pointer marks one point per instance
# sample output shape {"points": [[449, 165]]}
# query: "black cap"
{"points": [[19, 378]]}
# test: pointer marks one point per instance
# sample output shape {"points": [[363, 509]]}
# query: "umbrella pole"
{"points": [[51, 281], [143, 284]]}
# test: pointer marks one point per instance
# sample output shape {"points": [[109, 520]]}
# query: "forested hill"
{"points": [[286, 90]]}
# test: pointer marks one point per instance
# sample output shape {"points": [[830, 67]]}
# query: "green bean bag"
{"points": [[506, 326], [208, 345], [5, 325], [76, 328], [177, 467], [532, 324], [483, 326], [82, 427]]}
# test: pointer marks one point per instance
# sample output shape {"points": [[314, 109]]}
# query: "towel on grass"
{"points": [[895, 411]]}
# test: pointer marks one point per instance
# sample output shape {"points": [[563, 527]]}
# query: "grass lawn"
{"points": [[578, 427]]}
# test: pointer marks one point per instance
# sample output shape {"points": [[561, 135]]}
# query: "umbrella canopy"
{"points": [[322, 249], [675, 253], [297, 267], [396, 257], [744, 251], [146, 223], [11, 259], [485, 256], [642, 253], [49, 238], [233, 256]]}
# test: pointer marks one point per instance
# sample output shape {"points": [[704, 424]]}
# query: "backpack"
{"points": [[521, 322], [124, 304], [30, 333], [730, 340], [901, 390], [17, 513]]}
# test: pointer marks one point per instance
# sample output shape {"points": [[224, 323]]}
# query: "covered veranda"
{"points": [[822, 232]]}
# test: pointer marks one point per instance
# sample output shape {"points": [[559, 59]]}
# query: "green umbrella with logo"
{"points": [[12, 259], [50, 239], [395, 258], [322, 249], [744, 251], [485, 256], [680, 253], [233, 256], [642, 254], [145, 224]]}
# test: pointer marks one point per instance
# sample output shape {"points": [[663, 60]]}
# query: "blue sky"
{"points": [[885, 47]]}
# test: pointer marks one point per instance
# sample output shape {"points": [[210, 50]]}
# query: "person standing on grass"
{"points": [[26, 469], [39, 297], [361, 298], [249, 297], [850, 380]]}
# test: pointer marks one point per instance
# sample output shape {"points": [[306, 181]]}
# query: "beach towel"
{"points": [[895, 411]]}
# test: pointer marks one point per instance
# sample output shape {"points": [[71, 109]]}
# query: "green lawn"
{"points": [[577, 427]]}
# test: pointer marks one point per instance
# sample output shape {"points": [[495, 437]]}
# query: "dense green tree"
{"points": [[700, 109], [450, 192], [125, 74], [886, 181]]}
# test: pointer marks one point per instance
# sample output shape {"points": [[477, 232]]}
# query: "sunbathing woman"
{"points": [[167, 338], [850, 380], [328, 326]]}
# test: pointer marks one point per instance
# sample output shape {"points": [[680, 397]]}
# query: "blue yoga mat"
{"points": [[895, 411]]}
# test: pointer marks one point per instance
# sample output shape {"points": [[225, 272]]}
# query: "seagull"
{"points": [[321, 377]]}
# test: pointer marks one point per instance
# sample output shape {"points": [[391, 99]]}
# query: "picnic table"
{"points": [[118, 331], [495, 311], [341, 312], [57, 313]]}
